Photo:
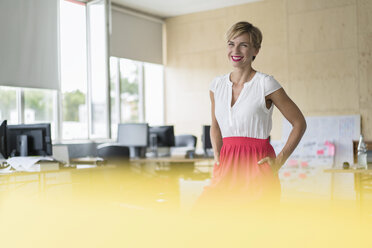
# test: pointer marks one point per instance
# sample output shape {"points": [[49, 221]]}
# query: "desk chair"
{"points": [[113, 151]]}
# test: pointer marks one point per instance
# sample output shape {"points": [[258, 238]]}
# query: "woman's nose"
{"points": [[235, 49]]}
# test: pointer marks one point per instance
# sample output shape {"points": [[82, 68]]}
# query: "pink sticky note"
{"points": [[331, 150], [304, 164], [292, 162], [302, 175], [320, 152], [286, 174]]}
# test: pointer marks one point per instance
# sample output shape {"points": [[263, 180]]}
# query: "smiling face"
{"points": [[240, 51]]}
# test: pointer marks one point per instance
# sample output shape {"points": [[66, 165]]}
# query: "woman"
{"points": [[246, 168]]}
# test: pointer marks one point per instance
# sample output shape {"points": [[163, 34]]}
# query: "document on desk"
{"points": [[26, 163], [5, 170]]}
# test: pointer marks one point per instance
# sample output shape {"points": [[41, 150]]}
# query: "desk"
{"points": [[175, 160], [44, 183], [131, 184], [87, 160], [204, 165], [362, 180]]}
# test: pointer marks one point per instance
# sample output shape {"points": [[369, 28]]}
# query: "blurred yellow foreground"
{"points": [[130, 205]]}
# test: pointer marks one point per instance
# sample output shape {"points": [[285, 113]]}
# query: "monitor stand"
{"points": [[164, 152], [137, 152], [157, 152], [22, 145], [153, 146], [153, 153]]}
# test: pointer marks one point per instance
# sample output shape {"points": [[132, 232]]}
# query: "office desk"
{"points": [[45, 183], [362, 180], [180, 163], [143, 185], [175, 160], [87, 160]]}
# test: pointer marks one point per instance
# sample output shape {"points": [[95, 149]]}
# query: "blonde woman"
{"points": [[246, 167]]}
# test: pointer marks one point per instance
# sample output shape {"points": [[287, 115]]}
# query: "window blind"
{"points": [[29, 43], [135, 37]]}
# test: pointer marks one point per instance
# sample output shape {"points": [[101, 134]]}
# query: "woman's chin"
{"points": [[239, 65]]}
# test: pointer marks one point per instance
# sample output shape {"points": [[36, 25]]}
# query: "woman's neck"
{"points": [[241, 75]]}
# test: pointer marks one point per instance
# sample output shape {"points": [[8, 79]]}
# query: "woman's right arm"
{"points": [[215, 133]]}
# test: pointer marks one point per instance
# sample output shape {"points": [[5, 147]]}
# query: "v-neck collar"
{"points": [[244, 84], [241, 92]]}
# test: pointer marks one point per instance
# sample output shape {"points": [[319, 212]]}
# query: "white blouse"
{"points": [[248, 117]]}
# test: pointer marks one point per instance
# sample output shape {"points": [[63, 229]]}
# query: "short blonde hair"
{"points": [[240, 28]]}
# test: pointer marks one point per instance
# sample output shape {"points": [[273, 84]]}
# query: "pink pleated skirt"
{"points": [[238, 177]]}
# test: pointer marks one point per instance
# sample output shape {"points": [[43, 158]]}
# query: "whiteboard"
{"points": [[341, 130], [303, 171], [302, 174]]}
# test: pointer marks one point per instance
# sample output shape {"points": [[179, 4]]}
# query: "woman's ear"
{"points": [[256, 52]]}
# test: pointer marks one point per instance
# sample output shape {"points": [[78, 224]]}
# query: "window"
{"points": [[29, 106], [84, 107], [8, 104], [39, 107], [73, 70], [97, 69], [114, 96], [130, 84], [154, 94], [136, 92]]}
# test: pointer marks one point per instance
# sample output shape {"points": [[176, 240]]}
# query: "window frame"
{"points": [[58, 95]]}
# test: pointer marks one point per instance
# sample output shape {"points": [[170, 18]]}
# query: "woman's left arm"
{"points": [[293, 114]]}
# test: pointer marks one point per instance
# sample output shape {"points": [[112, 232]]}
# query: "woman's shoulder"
{"points": [[222, 78], [265, 78], [262, 75], [269, 83], [219, 81]]}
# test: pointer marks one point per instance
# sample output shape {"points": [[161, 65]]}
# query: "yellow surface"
{"points": [[129, 205], [175, 159]]}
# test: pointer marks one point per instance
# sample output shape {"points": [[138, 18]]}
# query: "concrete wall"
{"points": [[319, 50]]}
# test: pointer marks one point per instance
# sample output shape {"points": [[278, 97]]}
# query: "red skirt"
{"points": [[238, 177]]}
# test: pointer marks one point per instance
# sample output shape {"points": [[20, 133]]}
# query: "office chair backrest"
{"points": [[112, 151], [185, 140]]}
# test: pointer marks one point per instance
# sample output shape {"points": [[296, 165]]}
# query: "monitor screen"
{"points": [[133, 134], [3, 149], [206, 138], [29, 140], [164, 135]]}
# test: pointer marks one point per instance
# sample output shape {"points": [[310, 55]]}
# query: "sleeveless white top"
{"points": [[248, 117]]}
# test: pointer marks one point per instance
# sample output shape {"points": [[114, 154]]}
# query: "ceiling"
{"points": [[170, 8]]}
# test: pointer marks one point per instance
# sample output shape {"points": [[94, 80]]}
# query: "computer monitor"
{"points": [[135, 136], [29, 140], [3, 149], [161, 136], [206, 140], [164, 135]]}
